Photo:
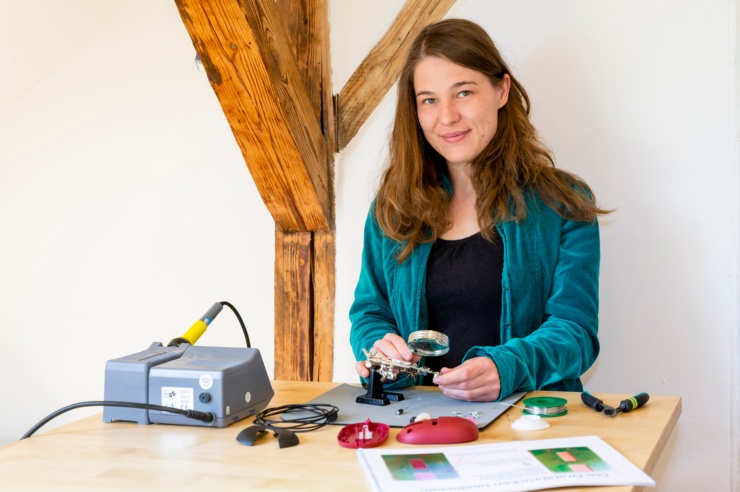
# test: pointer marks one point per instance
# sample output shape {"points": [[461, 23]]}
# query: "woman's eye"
{"points": [[428, 100], [464, 93]]}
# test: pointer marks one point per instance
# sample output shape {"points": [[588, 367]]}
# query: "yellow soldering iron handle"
{"points": [[195, 331], [198, 328]]}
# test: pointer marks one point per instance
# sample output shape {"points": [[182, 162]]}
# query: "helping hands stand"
{"points": [[375, 394], [382, 370]]}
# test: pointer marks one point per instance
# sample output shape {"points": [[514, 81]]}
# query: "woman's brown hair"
{"points": [[411, 203]]}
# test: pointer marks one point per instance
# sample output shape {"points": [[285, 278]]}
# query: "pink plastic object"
{"points": [[363, 435], [442, 430]]}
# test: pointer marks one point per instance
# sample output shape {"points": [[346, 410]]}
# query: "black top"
{"points": [[464, 295]]}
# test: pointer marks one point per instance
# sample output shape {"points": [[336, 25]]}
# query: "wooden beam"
{"points": [[324, 253], [249, 63], [294, 338], [381, 67], [304, 306], [306, 23]]}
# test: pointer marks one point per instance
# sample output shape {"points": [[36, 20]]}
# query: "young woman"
{"points": [[475, 233]]}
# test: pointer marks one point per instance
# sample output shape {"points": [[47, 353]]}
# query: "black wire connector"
{"points": [[191, 414], [241, 322]]}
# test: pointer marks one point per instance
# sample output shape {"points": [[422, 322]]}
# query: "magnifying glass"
{"points": [[428, 342]]}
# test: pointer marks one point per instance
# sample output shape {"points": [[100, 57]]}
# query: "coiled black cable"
{"points": [[298, 417]]}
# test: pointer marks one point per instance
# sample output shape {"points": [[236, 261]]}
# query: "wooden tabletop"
{"points": [[92, 455]]}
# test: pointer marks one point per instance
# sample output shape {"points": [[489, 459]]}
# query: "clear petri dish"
{"points": [[429, 343]]}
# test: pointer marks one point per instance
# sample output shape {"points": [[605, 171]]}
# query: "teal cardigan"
{"points": [[549, 306]]}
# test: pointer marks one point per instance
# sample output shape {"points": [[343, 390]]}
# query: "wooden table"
{"points": [[92, 455]]}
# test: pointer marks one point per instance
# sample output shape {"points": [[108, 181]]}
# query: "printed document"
{"points": [[507, 466]]}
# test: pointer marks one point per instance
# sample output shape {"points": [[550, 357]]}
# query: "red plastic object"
{"points": [[442, 430], [363, 435]]}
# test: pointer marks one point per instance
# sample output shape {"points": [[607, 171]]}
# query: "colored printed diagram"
{"points": [[432, 466], [568, 460]]}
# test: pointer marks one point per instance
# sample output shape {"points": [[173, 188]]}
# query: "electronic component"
{"points": [[387, 367], [230, 383]]}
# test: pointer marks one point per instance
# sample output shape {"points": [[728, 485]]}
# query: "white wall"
{"points": [[126, 209]]}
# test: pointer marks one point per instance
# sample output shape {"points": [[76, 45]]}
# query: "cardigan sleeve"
{"points": [[557, 352], [371, 314]]}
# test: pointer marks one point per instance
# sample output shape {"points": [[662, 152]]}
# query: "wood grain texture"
{"points": [[294, 337], [304, 306], [323, 305], [248, 60], [381, 67], [306, 24]]}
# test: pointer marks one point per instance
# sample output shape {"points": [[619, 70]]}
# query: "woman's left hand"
{"points": [[476, 379]]}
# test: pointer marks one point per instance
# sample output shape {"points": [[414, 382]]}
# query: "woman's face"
{"points": [[457, 108]]}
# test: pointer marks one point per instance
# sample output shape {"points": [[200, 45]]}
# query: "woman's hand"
{"points": [[391, 346], [476, 379]]}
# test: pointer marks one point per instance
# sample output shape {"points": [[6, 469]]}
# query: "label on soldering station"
{"points": [[206, 381], [178, 397]]}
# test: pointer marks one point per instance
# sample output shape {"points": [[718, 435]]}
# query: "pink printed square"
{"points": [[566, 456]]}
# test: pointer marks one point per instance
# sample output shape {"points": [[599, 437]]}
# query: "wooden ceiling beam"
{"points": [[380, 69], [247, 57], [304, 261]]}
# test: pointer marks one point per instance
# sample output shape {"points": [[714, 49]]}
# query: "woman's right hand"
{"points": [[391, 346]]}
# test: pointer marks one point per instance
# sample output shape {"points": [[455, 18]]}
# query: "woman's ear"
{"points": [[503, 88]]}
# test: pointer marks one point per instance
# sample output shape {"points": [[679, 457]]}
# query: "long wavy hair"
{"points": [[411, 205]]}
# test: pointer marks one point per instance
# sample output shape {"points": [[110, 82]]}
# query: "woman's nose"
{"points": [[449, 113]]}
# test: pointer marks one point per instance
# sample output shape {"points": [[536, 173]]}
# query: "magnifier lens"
{"points": [[429, 342]]}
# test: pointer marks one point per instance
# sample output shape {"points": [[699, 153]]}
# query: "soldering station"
{"points": [[186, 384], [183, 384]]}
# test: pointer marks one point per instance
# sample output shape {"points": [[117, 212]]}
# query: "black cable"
{"points": [[244, 328], [320, 414], [191, 414]]}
